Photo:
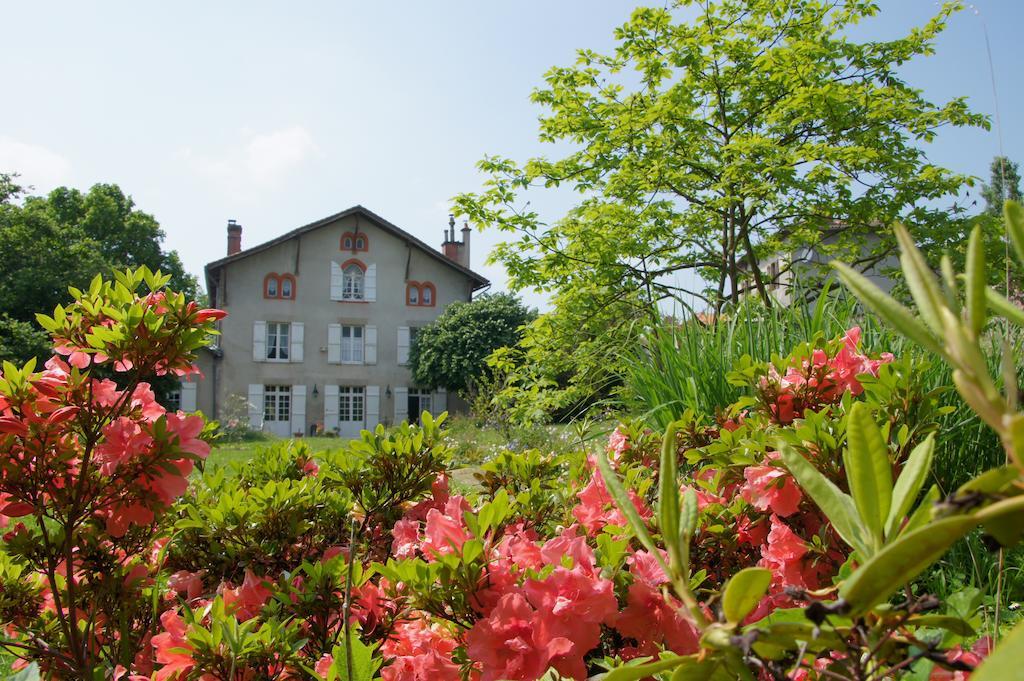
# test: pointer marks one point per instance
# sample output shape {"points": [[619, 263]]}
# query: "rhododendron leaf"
{"points": [[1003, 307], [921, 280], [743, 592], [363, 663], [923, 514], [991, 481], [837, 506], [975, 281], [668, 497], [909, 484], [641, 668], [886, 307], [727, 667], [954, 624], [898, 563], [868, 470], [1004, 663]]}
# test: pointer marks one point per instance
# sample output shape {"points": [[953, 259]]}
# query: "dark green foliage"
{"points": [[452, 351], [65, 239]]}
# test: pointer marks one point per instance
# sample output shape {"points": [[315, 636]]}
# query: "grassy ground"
{"points": [[239, 452]]}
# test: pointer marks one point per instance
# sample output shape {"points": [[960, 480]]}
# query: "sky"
{"points": [[278, 114]]}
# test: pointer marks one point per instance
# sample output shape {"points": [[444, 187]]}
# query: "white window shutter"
{"points": [[259, 342], [334, 343], [256, 406], [337, 281], [298, 332], [188, 396], [370, 345], [330, 408], [370, 283], [372, 406], [401, 404], [440, 401], [299, 409], [403, 345]]}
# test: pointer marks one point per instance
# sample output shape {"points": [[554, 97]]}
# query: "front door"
{"points": [[419, 402], [351, 411], [277, 409]]}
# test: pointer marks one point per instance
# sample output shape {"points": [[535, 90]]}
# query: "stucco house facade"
{"points": [[320, 321]]}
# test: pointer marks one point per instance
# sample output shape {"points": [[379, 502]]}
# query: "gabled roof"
{"points": [[479, 281]]}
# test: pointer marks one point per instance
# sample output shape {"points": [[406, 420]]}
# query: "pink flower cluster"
{"points": [[542, 604], [820, 380]]}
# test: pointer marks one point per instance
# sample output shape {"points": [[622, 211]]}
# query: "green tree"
{"points": [[452, 351], [713, 135], [1005, 184], [64, 239]]}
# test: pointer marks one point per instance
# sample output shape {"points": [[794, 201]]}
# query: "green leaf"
{"points": [[364, 665], [976, 282], [833, 502], [668, 498], [868, 470], [920, 280], [899, 562], [954, 624], [1014, 217], [999, 304], [636, 670], [1004, 664], [909, 484], [886, 307], [743, 592]]}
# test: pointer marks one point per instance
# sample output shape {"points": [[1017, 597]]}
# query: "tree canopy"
{"points": [[48, 243], [703, 143], [452, 351]]}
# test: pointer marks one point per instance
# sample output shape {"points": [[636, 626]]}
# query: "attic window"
{"points": [[355, 241]]}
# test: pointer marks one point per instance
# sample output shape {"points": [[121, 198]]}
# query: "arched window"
{"points": [[270, 286], [288, 286], [412, 293], [427, 295], [354, 241], [352, 282]]}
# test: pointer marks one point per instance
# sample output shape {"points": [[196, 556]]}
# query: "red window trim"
{"points": [[354, 261], [355, 236], [278, 279], [420, 287]]}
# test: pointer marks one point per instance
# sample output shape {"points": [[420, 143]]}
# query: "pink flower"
{"points": [[645, 568], [407, 538], [618, 443], [420, 652], [597, 508], [247, 600], [975, 656], [172, 649], [443, 534], [572, 545], [769, 488], [652, 622], [784, 555], [509, 645]]}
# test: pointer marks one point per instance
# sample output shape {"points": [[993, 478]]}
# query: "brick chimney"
{"points": [[457, 251], [234, 237]]}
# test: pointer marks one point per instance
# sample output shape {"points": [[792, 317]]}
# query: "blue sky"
{"points": [[277, 114]]}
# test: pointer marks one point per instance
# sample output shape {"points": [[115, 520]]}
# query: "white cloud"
{"points": [[264, 161], [38, 166]]}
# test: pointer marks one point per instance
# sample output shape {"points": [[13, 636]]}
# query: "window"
{"points": [[174, 399], [354, 241], [352, 283], [351, 345], [419, 402], [279, 286], [419, 294], [351, 403], [277, 341], [277, 403]]}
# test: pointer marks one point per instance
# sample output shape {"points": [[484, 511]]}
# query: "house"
{"points": [[320, 321], [802, 271]]}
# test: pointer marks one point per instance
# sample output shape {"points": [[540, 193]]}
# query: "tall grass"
{"points": [[683, 365]]}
